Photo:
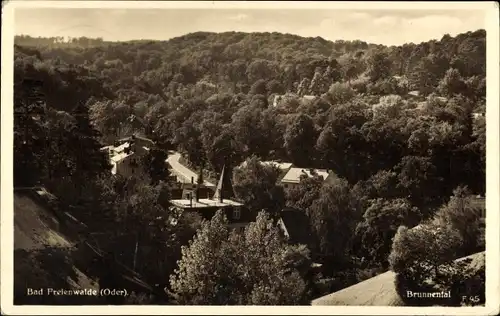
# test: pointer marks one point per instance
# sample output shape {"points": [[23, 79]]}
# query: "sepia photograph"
{"points": [[248, 154]]}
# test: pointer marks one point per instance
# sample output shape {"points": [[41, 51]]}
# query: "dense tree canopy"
{"points": [[222, 268], [258, 186], [426, 251], [399, 127], [174, 85]]}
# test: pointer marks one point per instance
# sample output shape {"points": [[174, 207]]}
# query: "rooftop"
{"points": [[204, 203], [308, 97], [293, 175], [122, 147], [120, 157], [421, 105], [107, 148], [376, 291], [442, 99], [222, 197]]}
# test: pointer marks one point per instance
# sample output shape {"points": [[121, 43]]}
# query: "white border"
{"points": [[364, 5], [492, 176]]}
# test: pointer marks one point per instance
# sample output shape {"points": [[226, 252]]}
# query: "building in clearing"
{"points": [[414, 95], [295, 175], [125, 157], [223, 199], [477, 115]]}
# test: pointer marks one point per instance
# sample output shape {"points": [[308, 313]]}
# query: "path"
{"points": [[182, 171]]}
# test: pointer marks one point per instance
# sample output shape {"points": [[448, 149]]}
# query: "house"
{"points": [[441, 99], [277, 100], [182, 182], [121, 164], [197, 186], [126, 156], [223, 199], [420, 106], [414, 94], [295, 175], [479, 202], [477, 115], [108, 149], [294, 224], [308, 98]]}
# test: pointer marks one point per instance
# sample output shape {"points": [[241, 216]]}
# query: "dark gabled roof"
{"points": [[296, 223]]}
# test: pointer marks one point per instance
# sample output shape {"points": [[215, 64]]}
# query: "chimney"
{"points": [[197, 193], [200, 176], [199, 185]]}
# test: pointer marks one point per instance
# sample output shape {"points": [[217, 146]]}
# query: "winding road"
{"points": [[182, 172]]}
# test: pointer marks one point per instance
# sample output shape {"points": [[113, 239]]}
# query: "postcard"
{"points": [[250, 157]]}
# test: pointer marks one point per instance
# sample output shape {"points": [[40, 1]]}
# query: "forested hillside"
{"points": [[184, 88], [395, 124]]}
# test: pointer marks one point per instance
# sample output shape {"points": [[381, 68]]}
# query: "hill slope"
{"points": [[236, 60], [43, 256]]}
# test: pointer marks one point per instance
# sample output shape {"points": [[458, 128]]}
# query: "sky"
{"points": [[388, 27]]}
